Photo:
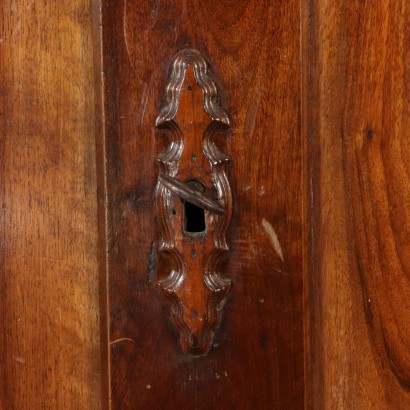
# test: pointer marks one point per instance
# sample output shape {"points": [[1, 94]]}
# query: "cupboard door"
{"points": [[252, 51], [235, 198]]}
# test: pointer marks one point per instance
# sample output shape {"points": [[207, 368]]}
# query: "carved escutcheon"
{"points": [[193, 201]]}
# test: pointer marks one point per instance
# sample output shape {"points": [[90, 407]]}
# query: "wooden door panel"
{"points": [[359, 116], [253, 50], [49, 343]]}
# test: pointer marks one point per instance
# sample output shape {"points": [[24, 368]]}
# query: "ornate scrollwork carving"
{"points": [[188, 272]]}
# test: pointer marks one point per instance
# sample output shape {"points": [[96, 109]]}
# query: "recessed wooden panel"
{"points": [[360, 115], [257, 360], [49, 343]]}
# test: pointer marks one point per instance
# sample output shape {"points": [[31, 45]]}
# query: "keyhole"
{"points": [[194, 218]]}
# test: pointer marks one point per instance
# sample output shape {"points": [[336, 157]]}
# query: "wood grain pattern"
{"points": [[323, 112], [359, 125], [255, 49], [49, 278]]}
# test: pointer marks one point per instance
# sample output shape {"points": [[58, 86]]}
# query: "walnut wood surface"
{"points": [[257, 361], [319, 314], [49, 342], [359, 115], [188, 271]]}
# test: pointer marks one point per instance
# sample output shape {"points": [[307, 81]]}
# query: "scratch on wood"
{"points": [[19, 359], [252, 113], [154, 13], [123, 339], [144, 101], [124, 27], [273, 238], [281, 272]]}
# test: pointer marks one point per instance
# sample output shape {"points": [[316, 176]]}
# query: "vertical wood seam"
{"points": [[102, 195]]}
